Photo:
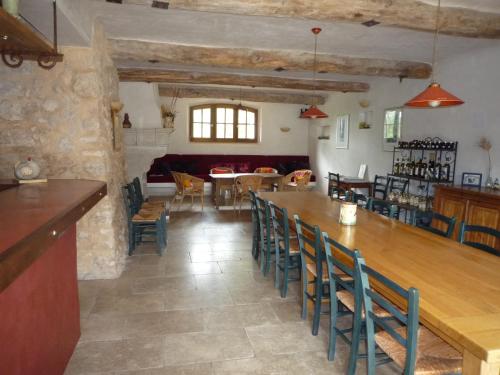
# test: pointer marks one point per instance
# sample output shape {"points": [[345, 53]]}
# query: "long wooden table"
{"points": [[219, 180], [459, 285]]}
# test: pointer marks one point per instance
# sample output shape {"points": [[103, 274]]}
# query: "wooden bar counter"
{"points": [[39, 307]]}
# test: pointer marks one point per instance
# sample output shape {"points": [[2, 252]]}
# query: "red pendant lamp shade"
{"points": [[313, 112], [434, 96]]}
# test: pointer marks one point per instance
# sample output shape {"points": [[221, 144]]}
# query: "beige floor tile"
{"points": [[115, 305], [135, 271], [286, 364], [285, 338], [102, 328], [220, 318], [192, 299], [195, 369], [163, 323], [287, 311], [243, 296], [102, 356], [187, 348], [238, 266], [162, 284], [188, 268], [220, 255]]}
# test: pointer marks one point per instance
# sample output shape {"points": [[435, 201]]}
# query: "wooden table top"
{"points": [[34, 215], [459, 285], [234, 175]]}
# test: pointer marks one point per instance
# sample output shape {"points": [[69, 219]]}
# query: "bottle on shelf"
{"points": [[437, 171], [445, 171], [429, 174], [396, 167], [418, 168], [423, 168], [410, 168]]}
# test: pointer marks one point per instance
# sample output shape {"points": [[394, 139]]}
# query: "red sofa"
{"points": [[200, 165]]}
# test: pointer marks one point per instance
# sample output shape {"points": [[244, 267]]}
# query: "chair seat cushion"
{"points": [[434, 356], [312, 269], [145, 217], [347, 300]]}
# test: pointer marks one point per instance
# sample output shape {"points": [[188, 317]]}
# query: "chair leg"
{"points": [[181, 201], [304, 292], [284, 286], [317, 308], [332, 340], [277, 267], [353, 353]]}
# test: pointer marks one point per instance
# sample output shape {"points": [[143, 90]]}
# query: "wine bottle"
{"points": [[396, 167], [437, 171], [423, 168], [445, 171]]}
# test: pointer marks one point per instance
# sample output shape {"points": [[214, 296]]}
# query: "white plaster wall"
{"points": [[473, 77], [142, 103]]}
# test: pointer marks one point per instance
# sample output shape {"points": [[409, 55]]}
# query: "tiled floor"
{"points": [[202, 308]]}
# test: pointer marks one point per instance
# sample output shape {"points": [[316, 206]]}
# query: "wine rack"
{"points": [[427, 161]]}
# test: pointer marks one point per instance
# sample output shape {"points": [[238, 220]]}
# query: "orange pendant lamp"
{"points": [[313, 112], [434, 96]]}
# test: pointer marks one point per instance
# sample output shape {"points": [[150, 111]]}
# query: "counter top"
{"points": [[32, 216], [471, 190]]}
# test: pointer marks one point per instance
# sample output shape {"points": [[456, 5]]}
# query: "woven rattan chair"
{"points": [[266, 187], [297, 180], [187, 185], [413, 348], [242, 187]]}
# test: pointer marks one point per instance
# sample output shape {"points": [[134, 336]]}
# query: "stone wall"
{"points": [[61, 118]]}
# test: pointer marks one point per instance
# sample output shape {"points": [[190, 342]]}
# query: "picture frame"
{"points": [[342, 132], [472, 179]]}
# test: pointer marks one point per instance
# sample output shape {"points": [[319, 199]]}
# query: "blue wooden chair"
{"points": [[265, 234], [144, 223], [347, 298], [476, 236], [255, 226], [314, 269], [380, 187], [382, 207], [359, 199], [398, 185], [287, 252], [424, 219], [334, 189], [408, 344]]}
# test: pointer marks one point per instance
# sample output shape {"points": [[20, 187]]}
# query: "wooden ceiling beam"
{"points": [[407, 14], [184, 77], [259, 59], [245, 95]]}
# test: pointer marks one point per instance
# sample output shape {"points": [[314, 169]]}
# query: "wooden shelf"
{"points": [[17, 37]]}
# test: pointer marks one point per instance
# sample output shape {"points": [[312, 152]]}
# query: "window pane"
{"points": [[251, 118], [206, 130], [242, 134], [390, 117], [251, 131], [206, 115], [197, 130], [197, 115], [229, 131], [220, 130], [229, 115], [242, 116], [221, 115]]}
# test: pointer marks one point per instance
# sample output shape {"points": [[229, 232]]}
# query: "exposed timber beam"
{"points": [[236, 94], [408, 14], [244, 58], [177, 76]]}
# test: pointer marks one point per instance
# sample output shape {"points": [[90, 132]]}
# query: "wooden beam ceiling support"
{"points": [[244, 58], [246, 95], [407, 14], [177, 76]]}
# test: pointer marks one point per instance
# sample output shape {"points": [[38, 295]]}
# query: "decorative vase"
{"points": [[26, 170], [126, 122], [11, 7], [348, 213], [168, 122]]}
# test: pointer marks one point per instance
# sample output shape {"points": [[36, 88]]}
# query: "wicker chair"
{"points": [[266, 187], [242, 187], [297, 180], [187, 185]]}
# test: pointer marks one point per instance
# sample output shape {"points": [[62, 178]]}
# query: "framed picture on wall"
{"points": [[342, 133], [472, 179], [393, 123]]}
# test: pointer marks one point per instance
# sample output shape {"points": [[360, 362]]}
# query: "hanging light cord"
{"points": [[436, 34], [314, 69]]}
